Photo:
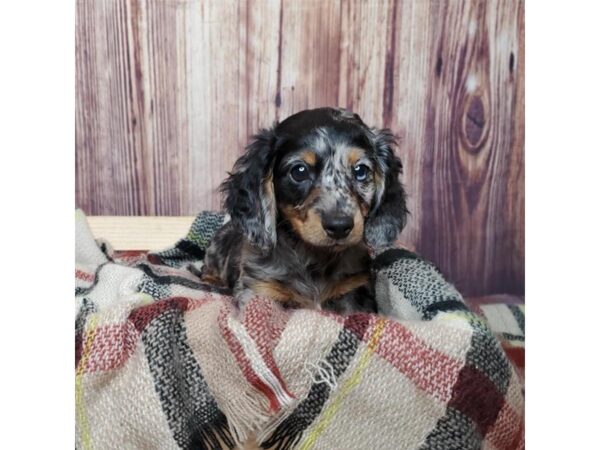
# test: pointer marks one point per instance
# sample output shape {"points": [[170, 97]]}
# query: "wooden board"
{"points": [[168, 92], [140, 233]]}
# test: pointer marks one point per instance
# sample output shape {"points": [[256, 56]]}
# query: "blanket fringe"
{"points": [[282, 438], [245, 414], [272, 435], [213, 438]]}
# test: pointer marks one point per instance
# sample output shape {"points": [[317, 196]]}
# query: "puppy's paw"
{"points": [[211, 277]]}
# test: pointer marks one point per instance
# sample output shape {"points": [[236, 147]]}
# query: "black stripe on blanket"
{"points": [[191, 249], [477, 396], [87, 290], [519, 316], [451, 304], [290, 431], [486, 354], [170, 280], [454, 431], [87, 307], [417, 281], [191, 411], [512, 337], [389, 257], [184, 252]]}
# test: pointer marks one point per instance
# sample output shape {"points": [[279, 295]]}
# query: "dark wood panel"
{"points": [[169, 91], [473, 154]]}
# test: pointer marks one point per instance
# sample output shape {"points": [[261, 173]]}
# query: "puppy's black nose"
{"points": [[337, 227]]}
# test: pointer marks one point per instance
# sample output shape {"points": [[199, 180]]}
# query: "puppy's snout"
{"points": [[336, 226]]}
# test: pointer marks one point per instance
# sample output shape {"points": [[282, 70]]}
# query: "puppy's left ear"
{"points": [[388, 215]]}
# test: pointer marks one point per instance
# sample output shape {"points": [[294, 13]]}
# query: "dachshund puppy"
{"points": [[307, 200]]}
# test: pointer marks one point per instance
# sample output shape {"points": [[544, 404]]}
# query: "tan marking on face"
{"points": [[342, 287], [356, 234], [309, 157], [307, 224], [305, 221], [300, 211], [364, 209], [293, 214], [354, 155], [310, 198]]}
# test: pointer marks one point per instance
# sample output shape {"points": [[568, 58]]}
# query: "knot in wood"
{"points": [[474, 122]]}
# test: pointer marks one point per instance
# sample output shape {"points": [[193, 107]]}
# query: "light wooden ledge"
{"points": [[140, 232]]}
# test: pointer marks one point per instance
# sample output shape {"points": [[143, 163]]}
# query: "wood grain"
{"points": [[473, 149], [168, 92]]}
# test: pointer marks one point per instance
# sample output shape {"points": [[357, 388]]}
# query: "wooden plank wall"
{"points": [[168, 92]]}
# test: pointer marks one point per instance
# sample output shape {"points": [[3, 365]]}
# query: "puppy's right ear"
{"points": [[249, 192]]}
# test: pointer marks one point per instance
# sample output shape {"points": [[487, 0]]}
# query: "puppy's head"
{"points": [[324, 172]]}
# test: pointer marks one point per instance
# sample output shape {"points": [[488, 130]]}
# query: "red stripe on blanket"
{"points": [[242, 360], [476, 396], [143, 315], [506, 430], [80, 274], [359, 324], [332, 316], [114, 344], [515, 354], [431, 370], [519, 442], [265, 321], [111, 348]]}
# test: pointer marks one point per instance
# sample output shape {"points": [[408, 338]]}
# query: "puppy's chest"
{"points": [[334, 281], [308, 281]]}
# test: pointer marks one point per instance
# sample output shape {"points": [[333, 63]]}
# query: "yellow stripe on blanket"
{"points": [[465, 317], [84, 428], [350, 383]]}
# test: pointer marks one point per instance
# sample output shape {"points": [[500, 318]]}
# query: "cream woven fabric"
{"points": [[166, 362]]}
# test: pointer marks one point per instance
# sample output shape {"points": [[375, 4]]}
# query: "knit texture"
{"points": [[164, 361]]}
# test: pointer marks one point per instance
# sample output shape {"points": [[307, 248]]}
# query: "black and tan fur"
{"points": [[305, 242]]}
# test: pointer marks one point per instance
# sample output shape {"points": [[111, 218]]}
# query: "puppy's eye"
{"points": [[361, 172], [299, 173]]}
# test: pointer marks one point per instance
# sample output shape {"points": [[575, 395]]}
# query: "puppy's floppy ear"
{"points": [[249, 192], [388, 215]]}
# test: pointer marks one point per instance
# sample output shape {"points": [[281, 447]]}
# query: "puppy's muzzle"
{"points": [[337, 226]]}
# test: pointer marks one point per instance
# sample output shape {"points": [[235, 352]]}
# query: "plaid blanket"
{"points": [[164, 361]]}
